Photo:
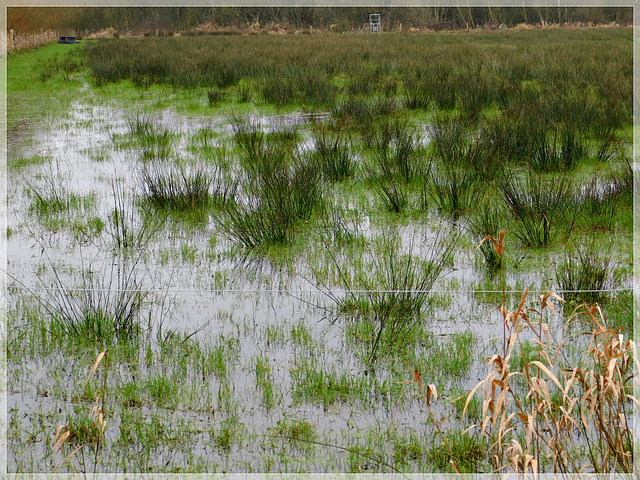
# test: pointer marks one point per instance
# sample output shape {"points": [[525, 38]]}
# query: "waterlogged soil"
{"points": [[202, 286]]}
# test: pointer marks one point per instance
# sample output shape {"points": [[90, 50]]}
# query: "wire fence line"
{"points": [[299, 291]]}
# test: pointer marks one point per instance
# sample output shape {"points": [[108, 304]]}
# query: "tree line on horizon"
{"points": [[140, 20]]}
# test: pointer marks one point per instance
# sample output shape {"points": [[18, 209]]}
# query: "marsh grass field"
{"points": [[297, 253]]}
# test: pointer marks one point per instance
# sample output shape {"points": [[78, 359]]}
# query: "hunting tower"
{"points": [[374, 22]]}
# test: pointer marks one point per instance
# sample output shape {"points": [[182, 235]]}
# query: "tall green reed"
{"points": [[541, 206]]}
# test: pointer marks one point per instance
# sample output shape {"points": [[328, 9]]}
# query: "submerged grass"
{"points": [[101, 310], [264, 380], [58, 202], [299, 432], [52, 200], [466, 450], [325, 387], [390, 287], [22, 163], [152, 141], [450, 360]]}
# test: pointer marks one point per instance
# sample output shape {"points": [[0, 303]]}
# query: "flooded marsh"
{"points": [[289, 277]]}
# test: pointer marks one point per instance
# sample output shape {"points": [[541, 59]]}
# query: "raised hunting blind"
{"points": [[374, 22]]}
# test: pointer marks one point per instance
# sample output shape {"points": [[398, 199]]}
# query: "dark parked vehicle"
{"points": [[67, 39]]}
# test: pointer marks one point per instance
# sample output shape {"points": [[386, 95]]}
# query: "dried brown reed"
{"points": [[91, 435], [427, 394], [558, 413]]}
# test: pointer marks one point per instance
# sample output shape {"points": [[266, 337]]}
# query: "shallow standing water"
{"points": [[209, 289]]}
